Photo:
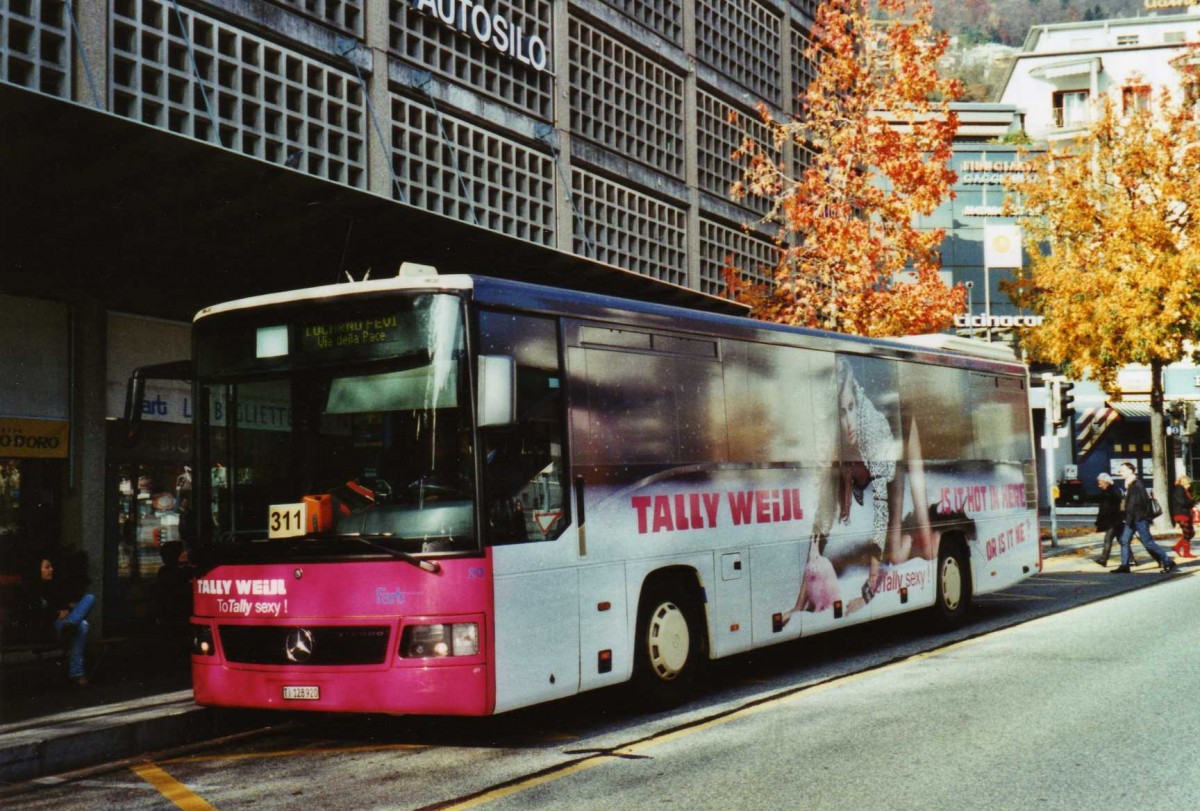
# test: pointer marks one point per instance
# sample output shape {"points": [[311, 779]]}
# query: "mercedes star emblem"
{"points": [[299, 645]]}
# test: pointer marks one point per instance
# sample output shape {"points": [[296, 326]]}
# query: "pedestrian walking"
{"points": [[1109, 518], [1137, 519], [1181, 514]]}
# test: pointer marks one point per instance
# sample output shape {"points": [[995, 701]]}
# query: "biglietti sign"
{"points": [[490, 29]]}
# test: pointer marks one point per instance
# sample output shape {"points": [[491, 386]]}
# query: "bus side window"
{"points": [[523, 470]]}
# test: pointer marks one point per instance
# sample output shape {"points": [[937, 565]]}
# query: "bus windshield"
{"points": [[354, 439]]}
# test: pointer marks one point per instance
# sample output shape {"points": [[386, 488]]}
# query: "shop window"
{"points": [[149, 518], [30, 502]]}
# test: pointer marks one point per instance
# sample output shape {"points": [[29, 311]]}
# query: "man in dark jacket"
{"points": [[1137, 519], [1109, 519]]}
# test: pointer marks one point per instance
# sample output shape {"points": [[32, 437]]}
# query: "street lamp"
{"points": [[970, 310]]}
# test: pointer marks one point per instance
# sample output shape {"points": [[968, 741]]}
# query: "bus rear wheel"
{"points": [[669, 644], [953, 585]]}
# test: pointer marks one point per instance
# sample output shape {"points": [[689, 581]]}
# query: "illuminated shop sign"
{"points": [[998, 321], [34, 439], [987, 173], [492, 30]]}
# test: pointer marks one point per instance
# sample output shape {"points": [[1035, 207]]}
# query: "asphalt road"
{"points": [[1068, 691]]}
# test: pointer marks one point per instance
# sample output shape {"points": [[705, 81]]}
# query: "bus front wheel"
{"points": [[953, 585], [669, 644]]}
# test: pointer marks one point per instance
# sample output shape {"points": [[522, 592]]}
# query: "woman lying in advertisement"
{"points": [[868, 456]]}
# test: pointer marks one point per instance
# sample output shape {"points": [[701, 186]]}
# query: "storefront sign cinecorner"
{"points": [[34, 439], [995, 321], [492, 30]]}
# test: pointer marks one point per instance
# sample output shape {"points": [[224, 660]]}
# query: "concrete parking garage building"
{"points": [[162, 155]]}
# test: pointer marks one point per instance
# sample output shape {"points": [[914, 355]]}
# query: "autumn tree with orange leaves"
{"points": [[1113, 230], [878, 128]]}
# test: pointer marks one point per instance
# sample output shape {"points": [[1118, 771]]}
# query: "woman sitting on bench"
{"points": [[52, 606]]}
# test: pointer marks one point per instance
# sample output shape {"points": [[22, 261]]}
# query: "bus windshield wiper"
{"points": [[428, 565]]}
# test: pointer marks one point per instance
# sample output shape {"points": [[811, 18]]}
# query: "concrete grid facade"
{"points": [[597, 127], [599, 130]]}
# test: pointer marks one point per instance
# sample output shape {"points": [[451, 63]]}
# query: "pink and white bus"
{"points": [[460, 495]]}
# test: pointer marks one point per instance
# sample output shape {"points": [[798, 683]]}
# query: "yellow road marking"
{"points": [[349, 750], [1002, 598], [1055, 581], [171, 788]]}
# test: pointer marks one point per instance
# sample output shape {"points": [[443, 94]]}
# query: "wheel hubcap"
{"points": [[951, 583], [669, 641]]}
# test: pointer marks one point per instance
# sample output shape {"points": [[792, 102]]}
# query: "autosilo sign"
{"points": [[490, 29]]}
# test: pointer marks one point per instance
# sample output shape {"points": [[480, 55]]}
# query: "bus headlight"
{"points": [[436, 641], [202, 641]]}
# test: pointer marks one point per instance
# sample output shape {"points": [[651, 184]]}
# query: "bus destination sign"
{"points": [[354, 332]]}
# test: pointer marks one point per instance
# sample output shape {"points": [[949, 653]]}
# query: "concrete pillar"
{"points": [[84, 497], [560, 137], [379, 158], [691, 148], [90, 56]]}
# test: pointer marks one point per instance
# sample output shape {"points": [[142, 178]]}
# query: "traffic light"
{"points": [[1061, 400], [1174, 413], [1066, 402]]}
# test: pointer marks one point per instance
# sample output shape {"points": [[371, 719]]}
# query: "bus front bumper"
{"points": [[441, 689]]}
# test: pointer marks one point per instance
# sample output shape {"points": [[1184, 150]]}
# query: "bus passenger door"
{"points": [[527, 523]]}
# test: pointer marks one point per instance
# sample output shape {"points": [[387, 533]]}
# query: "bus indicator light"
{"points": [[604, 661], [202, 640]]}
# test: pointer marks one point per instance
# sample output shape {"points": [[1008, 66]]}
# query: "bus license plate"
{"points": [[305, 693]]}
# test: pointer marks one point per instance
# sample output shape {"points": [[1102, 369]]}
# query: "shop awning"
{"points": [[1132, 408], [1066, 70]]}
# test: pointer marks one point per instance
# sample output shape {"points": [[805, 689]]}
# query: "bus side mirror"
{"points": [[497, 391], [135, 391]]}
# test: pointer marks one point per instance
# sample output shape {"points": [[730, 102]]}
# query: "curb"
{"points": [[88, 737]]}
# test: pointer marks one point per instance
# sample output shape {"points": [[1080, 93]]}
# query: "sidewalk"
{"points": [[141, 701]]}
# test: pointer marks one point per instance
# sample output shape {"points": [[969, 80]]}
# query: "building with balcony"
{"points": [[1062, 69], [1056, 80]]}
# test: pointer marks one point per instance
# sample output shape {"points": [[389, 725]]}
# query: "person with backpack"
{"points": [[1139, 513]]}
